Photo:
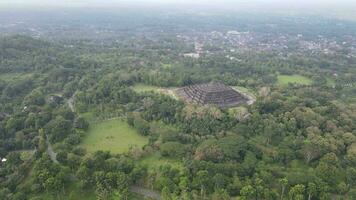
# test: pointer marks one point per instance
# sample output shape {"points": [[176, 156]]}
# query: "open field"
{"points": [[297, 79], [145, 88], [245, 90], [161, 90], [330, 82], [89, 116], [13, 77], [249, 94], [115, 136], [166, 66], [155, 160]]}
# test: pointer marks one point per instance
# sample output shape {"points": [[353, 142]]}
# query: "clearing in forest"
{"points": [[161, 90], [249, 94], [155, 160], [14, 77], [294, 79], [115, 136]]}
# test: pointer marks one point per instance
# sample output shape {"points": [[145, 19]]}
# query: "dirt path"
{"points": [[146, 192], [71, 103], [50, 151]]}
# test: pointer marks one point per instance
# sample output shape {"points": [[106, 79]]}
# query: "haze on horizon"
{"points": [[222, 3], [331, 8]]}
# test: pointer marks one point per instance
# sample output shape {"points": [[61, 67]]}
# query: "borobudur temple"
{"points": [[213, 93]]}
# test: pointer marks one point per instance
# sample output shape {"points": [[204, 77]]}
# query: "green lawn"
{"points": [[237, 109], [115, 136], [245, 90], [89, 116], [298, 79], [330, 82], [145, 88], [170, 91], [166, 66], [155, 160], [13, 77]]}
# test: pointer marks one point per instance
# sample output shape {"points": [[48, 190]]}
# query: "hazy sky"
{"points": [[216, 2], [327, 7]]}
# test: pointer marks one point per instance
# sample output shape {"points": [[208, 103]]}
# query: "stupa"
{"points": [[213, 93]]}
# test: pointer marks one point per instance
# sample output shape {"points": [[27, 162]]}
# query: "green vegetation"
{"points": [[145, 88], [292, 143], [155, 160], [88, 116], [73, 192], [13, 77], [245, 90], [160, 90], [166, 66], [294, 79], [330, 82], [115, 136]]}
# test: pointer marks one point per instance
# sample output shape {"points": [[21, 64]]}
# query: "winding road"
{"points": [[49, 150]]}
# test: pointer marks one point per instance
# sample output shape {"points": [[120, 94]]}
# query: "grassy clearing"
{"points": [[89, 116], [115, 136], [149, 88], [330, 82], [239, 109], [294, 79], [245, 90], [14, 77], [26, 154], [249, 94], [155, 160], [166, 66], [145, 88]]}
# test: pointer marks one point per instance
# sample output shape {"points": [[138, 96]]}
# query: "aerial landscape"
{"points": [[177, 100]]}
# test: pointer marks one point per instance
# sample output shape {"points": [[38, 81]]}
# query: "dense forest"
{"points": [[296, 141]]}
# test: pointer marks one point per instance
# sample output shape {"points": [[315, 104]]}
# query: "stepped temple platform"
{"points": [[213, 93]]}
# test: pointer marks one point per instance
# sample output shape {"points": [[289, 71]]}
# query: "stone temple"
{"points": [[213, 93]]}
